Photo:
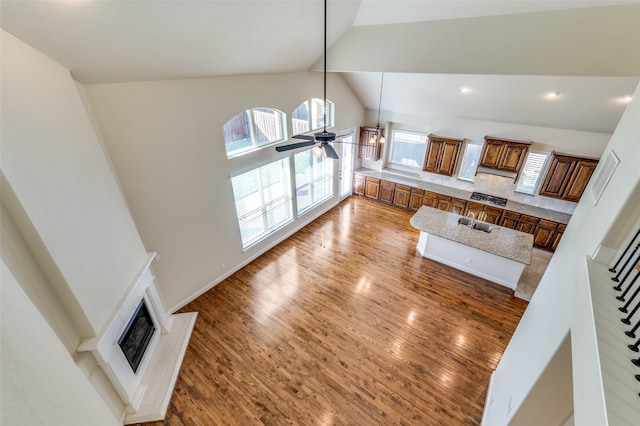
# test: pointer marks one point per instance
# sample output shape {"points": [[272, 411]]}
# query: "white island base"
{"points": [[483, 264]]}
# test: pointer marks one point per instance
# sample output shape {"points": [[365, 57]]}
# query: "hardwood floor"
{"points": [[344, 323]]}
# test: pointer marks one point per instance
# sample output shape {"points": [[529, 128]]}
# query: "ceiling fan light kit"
{"points": [[324, 137]]}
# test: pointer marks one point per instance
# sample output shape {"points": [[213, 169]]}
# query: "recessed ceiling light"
{"points": [[626, 98], [552, 94], [465, 89]]}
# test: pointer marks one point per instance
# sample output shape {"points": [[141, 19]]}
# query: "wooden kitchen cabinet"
{"points": [[492, 214], [557, 236], [358, 184], [510, 219], [366, 149], [444, 202], [527, 224], [387, 190], [372, 187], [544, 233], [401, 195], [567, 177], [503, 154], [442, 155], [430, 199], [415, 198], [475, 208], [458, 206]]}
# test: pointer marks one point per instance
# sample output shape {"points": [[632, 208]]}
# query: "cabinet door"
{"points": [[415, 198], [448, 158], [491, 154], [510, 219], [492, 214], [432, 158], [401, 196], [386, 191], [372, 188], [358, 184], [512, 157], [557, 236], [527, 224], [366, 149], [543, 236], [557, 177], [430, 199], [579, 180], [458, 206], [474, 208], [444, 202]]}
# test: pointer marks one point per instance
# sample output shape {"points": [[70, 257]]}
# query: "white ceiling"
{"points": [[115, 41]]}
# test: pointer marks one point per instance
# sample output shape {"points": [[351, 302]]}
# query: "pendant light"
{"points": [[378, 137]]}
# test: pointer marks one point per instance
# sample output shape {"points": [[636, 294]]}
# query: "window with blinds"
{"points": [[314, 179], [253, 129], [263, 201], [531, 171], [408, 148], [470, 160]]}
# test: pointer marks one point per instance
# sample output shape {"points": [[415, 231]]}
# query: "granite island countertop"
{"points": [[503, 242], [513, 206]]}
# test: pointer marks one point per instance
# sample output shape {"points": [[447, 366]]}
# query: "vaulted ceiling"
{"points": [[508, 53]]}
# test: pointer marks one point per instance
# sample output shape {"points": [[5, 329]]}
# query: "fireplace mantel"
{"points": [[146, 394]]}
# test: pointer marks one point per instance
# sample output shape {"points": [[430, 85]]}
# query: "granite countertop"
{"points": [[513, 206], [503, 242]]}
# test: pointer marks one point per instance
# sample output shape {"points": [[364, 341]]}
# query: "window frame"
{"points": [[268, 203], [478, 144], [320, 181], [420, 162], [313, 116], [540, 173], [253, 127]]}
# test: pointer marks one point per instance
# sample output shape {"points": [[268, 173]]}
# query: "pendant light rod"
{"points": [[380, 101], [325, 66]]}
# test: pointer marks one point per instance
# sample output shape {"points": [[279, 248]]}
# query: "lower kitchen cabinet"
{"points": [[556, 238], [492, 214], [458, 206], [387, 189], [510, 219], [527, 224], [416, 198], [401, 196], [544, 233], [358, 184], [372, 188], [444, 202], [430, 199]]}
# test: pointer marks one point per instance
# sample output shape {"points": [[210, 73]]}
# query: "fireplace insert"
{"points": [[137, 335]]}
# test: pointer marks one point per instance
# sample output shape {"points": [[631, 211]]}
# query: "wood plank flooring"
{"points": [[344, 324]]}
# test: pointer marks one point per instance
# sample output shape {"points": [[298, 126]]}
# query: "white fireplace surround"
{"points": [[146, 394]]}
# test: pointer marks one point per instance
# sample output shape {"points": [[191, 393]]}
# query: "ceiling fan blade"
{"points": [[329, 151], [294, 146], [307, 137]]}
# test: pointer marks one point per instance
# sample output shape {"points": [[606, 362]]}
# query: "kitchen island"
{"points": [[499, 256]]}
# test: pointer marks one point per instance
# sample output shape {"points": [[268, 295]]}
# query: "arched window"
{"points": [[253, 129], [309, 116]]}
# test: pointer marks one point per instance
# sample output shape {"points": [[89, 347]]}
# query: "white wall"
{"points": [[54, 163], [561, 303], [165, 142], [41, 384]]}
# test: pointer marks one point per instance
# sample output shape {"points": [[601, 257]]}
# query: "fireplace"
{"points": [[141, 349], [137, 335]]}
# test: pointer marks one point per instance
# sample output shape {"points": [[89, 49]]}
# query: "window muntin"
{"points": [[263, 201], [531, 171], [470, 160], [314, 179], [309, 116], [408, 148], [253, 129]]}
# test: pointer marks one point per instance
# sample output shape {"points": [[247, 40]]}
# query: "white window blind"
{"points": [[470, 160], [263, 200], [314, 179], [408, 148], [530, 174]]}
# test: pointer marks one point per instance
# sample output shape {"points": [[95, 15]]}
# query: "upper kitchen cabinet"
{"points": [[567, 177], [442, 155], [366, 148], [503, 154]]}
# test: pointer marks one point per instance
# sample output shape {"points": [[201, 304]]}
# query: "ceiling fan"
{"points": [[323, 137]]}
